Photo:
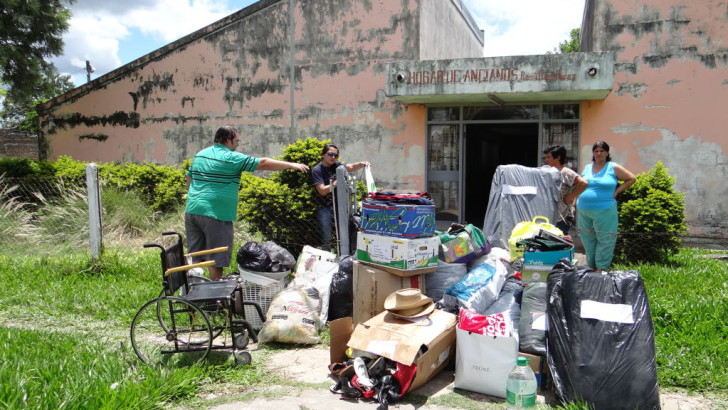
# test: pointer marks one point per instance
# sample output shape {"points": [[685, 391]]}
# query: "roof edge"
{"points": [[158, 53]]}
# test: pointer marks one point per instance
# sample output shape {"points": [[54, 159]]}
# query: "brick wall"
{"points": [[18, 144]]}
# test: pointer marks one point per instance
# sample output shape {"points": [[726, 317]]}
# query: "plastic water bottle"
{"points": [[521, 386]]}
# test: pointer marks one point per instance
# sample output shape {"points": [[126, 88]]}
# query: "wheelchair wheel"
{"points": [[169, 325], [191, 278], [241, 340], [243, 357]]}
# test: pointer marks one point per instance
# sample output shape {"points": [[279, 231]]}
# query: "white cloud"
{"points": [[91, 38], [99, 28], [527, 26]]}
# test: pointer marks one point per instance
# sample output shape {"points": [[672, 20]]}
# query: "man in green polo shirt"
{"points": [[212, 198]]}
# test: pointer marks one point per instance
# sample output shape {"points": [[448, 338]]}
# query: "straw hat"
{"points": [[408, 303]]}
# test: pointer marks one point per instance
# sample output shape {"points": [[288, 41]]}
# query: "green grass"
{"points": [[49, 369], [688, 299], [64, 341]]}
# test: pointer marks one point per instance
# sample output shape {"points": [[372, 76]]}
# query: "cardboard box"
{"points": [[404, 221], [538, 265], [401, 340], [540, 369], [398, 253], [372, 285], [340, 331]]}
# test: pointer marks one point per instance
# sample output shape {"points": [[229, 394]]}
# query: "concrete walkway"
{"points": [[309, 365]]}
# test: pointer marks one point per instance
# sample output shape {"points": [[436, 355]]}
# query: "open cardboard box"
{"points": [[400, 340], [372, 285]]}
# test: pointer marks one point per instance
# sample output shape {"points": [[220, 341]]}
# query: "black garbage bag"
{"points": [[601, 341], [533, 308], [252, 256], [281, 259], [341, 294]]}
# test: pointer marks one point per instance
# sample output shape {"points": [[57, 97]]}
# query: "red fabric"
{"points": [[490, 325], [367, 394], [405, 375], [388, 196]]}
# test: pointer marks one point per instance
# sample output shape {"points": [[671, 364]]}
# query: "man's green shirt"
{"points": [[215, 174]]}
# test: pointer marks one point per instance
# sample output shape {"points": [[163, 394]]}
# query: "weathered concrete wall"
{"points": [[18, 144], [166, 106], [668, 102], [458, 41]]}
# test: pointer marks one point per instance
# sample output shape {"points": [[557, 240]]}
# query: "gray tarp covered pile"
{"points": [[518, 194]]}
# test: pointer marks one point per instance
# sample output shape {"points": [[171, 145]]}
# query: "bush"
{"points": [[281, 207], [161, 187], [651, 217]]}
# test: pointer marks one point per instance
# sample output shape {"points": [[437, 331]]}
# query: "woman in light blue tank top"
{"points": [[597, 207]]}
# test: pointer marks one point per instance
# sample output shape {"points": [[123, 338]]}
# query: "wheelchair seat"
{"points": [[210, 291]]}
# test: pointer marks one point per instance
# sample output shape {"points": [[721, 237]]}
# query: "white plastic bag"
{"points": [[371, 186], [316, 269]]}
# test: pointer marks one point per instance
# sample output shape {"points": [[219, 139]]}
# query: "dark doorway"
{"points": [[486, 147]]}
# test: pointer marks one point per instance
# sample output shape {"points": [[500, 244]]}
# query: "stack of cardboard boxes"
{"points": [[396, 246]]}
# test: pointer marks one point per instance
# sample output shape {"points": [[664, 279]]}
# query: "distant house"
{"points": [[404, 86]]}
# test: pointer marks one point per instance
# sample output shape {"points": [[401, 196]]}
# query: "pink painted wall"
{"points": [[166, 106], [668, 102]]}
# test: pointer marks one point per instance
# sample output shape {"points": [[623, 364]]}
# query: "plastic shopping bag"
{"points": [[463, 243], [479, 288], [529, 229], [483, 361], [371, 186]]}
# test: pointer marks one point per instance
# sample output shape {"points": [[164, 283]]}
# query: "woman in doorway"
{"points": [[324, 180], [572, 185], [598, 218]]}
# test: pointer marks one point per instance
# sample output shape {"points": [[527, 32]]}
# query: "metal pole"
{"points": [[341, 211], [292, 64], [94, 209]]}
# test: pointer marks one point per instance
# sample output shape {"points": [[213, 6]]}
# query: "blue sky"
{"points": [[111, 33]]}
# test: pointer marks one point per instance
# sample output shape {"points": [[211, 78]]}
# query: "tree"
{"points": [[30, 32], [22, 115], [568, 46]]}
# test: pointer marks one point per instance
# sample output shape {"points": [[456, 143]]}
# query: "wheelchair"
{"points": [[192, 315]]}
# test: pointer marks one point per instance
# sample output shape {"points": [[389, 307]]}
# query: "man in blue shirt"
{"points": [[324, 181], [212, 198]]}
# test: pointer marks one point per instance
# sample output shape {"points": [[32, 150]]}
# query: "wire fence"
{"points": [[42, 213]]}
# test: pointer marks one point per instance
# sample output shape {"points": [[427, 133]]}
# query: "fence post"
{"points": [[94, 209], [342, 206]]}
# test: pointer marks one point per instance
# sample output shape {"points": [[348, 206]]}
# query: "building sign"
{"points": [[572, 76], [484, 75]]}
